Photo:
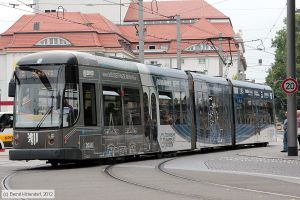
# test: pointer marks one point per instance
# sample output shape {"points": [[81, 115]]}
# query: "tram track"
{"points": [[197, 195], [163, 170], [5, 182], [108, 172]]}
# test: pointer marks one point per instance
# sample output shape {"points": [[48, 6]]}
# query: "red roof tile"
{"points": [[5, 41], [187, 9], [200, 30], [82, 30], [225, 28], [109, 40], [72, 21], [167, 32]]}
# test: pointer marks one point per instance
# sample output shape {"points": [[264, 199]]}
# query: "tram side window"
{"points": [[177, 107], [180, 108], [132, 106], [166, 108], [112, 106], [70, 104], [89, 104]]}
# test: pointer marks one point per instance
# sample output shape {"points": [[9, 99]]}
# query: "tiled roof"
{"points": [[154, 33], [225, 28], [187, 9], [200, 30], [166, 32], [69, 22], [82, 30], [77, 39], [109, 40]]}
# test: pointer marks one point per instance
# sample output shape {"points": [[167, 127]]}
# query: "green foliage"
{"points": [[278, 71]]}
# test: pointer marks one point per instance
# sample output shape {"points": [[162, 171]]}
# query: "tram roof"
{"points": [[87, 59], [211, 79], [250, 85]]}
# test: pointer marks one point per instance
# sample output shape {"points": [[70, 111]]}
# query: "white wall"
{"points": [[210, 67], [111, 12], [7, 66], [8, 63]]}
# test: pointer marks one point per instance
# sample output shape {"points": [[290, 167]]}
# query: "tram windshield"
{"points": [[40, 96]]}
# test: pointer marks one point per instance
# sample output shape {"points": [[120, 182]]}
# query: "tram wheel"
{"points": [[53, 163]]}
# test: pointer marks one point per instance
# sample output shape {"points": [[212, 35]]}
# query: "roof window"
{"points": [[53, 41]]}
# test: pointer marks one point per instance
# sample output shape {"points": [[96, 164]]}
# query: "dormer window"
{"points": [[53, 41], [152, 47], [201, 47]]}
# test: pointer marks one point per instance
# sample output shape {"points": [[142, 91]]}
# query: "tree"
{"points": [[277, 73]]}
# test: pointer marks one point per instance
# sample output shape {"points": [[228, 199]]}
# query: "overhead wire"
{"points": [[275, 23], [72, 21], [88, 24]]}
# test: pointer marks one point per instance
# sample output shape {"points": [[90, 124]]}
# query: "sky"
{"points": [[259, 20]]}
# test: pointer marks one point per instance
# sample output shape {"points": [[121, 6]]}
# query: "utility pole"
{"points": [[141, 31], [178, 23], [221, 64], [291, 73], [120, 11]]}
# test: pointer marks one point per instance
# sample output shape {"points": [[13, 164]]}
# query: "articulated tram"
{"points": [[72, 106]]}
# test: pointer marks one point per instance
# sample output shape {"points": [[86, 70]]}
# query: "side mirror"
{"points": [[2, 127], [12, 88]]}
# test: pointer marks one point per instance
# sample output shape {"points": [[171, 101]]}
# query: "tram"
{"points": [[72, 106]]}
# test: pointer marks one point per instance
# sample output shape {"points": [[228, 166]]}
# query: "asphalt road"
{"points": [[256, 173]]}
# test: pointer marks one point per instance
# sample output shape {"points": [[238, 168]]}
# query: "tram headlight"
{"points": [[51, 137]]}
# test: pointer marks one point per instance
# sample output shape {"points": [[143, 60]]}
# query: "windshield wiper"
{"points": [[42, 76], [44, 117]]}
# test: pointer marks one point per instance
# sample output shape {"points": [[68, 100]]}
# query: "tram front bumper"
{"points": [[45, 154]]}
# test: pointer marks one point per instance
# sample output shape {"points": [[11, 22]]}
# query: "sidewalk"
{"points": [[271, 151]]}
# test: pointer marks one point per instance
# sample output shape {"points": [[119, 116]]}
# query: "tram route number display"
{"points": [[289, 86]]}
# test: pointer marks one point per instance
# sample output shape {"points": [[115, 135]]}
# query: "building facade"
{"points": [[208, 42], [113, 10], [73, 31]]}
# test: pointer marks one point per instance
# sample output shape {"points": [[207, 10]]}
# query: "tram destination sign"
{"points": [[289, 86]]}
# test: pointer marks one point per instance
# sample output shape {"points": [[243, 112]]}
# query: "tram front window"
{"points": [[39, 94]]}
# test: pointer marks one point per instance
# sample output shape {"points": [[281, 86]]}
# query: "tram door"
{"points": [[150, 116]]}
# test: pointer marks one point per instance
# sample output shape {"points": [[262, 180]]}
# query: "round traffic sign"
{"points": [[289, 86]]}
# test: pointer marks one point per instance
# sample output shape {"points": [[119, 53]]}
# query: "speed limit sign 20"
{"points": [[289, 86]]}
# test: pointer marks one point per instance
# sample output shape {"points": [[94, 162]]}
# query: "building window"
{"points": [[201, 47], [151, 46], [201, 60], [153, 62], [53, 41], [164, 47]]}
